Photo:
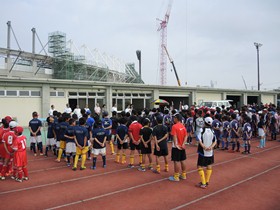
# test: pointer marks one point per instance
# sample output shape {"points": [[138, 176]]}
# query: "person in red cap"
{"points": [[20, 157]]}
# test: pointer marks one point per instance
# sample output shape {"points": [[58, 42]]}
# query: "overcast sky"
{"points": [[209, 40]]}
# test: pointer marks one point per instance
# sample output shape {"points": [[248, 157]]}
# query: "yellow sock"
{"points": [[118, 157], [76, 161], [166, 167], [143, 166], [208, 175], [112, 147], [202, 176], [123, 158], [84, 157], [131, 159], [158, 168], [176, 176], [184, 174], [59, 154], [150, 165], [140, 158]]}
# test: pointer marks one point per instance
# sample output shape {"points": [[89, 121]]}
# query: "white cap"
{"points": [[208, 120], [13, 124]]}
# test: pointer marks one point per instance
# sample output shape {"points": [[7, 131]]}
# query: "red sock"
{"points": [[14, 172], [4, 170], [1, 166], [20, 173], [25, 172]]}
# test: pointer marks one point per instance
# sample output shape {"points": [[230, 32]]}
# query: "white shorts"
{"points": [[89, 143], [261, 132], [71, 147], [57, 144], [35, 139], [97, 152], [50, 141]]}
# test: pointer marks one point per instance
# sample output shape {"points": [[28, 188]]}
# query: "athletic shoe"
{"points": [[25, 178], [141, 169], [156, 171], [35, 155], [123, 162], [74, 168], [2, 177], [93, 167], [113, 153], [46, 155], [13, 177], [56, 160], [18, 180], [173, 179], [104, 166], [41, 154], [68, 164], [150, 167], [182, 177], [130, 166], [203, 186], [83, 168], [89, 158], [244, 152], [166, 170]]}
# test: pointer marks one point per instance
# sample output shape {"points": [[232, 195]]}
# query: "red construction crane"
{"points": [[163, 36]]}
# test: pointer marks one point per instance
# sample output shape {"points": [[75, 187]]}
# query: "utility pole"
{"points": [[258, 45]]}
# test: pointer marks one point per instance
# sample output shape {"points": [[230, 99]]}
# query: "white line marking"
{"points": [[156, 181], [226, 188]]}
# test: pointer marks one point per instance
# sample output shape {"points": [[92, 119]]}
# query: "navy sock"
{"points": [[94, 161], [104, 160], [246, 147], [249, 147], [33, 147], [238, 145], [233, 145]]}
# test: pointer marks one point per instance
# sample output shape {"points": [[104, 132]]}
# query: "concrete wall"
{"points": [[207, 96]]}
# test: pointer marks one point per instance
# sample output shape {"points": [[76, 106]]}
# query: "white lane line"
{"points": [[226, 188], [146, 184]]}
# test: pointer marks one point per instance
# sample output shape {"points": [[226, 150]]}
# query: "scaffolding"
{"points": [[68, 65]]}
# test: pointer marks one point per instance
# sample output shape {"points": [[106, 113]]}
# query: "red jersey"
{"points": [[8, 138], [20, 158], [134, 129], [2, 132], [180, 131]]}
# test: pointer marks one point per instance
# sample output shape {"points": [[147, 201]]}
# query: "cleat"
{"points": [[68, 164], [56, 160], [244, 152], [89, 158], [173, 179], [18, 180], [150, 168], [13, 177], [104, 166], [156, 171], [200, 185], [141, 169], [113, 153], [35, 155], [123, 162], [3, 178], [130, 166], [93, 167], [41, 154], [25, 178], [182, 177], [74, 168], [117, 162], [83, 168]]}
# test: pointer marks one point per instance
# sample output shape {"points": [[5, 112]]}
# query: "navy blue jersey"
{"points": [[70, 132], [50, 133], [89, 128], [100, 134], [34, 124], [247, 130], [63, 126], [81, 132], [56, 128], [114, 122], [122, 130], [107, 122]]}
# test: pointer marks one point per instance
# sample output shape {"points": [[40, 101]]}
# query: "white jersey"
{"points": [[207, 138]]}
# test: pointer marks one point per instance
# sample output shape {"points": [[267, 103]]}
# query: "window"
{"points": [[2, 92], [127, 94], [149, 95], [91, 94], [52, 93], [23, 93], [11, 93], [72, 93], [141, 94], [101, 94], [135, 94], [35, 93], [114, 94], [82, 93], [60, 94], [120, 94]]}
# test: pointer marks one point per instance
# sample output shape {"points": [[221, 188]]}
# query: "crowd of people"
{"points": [[83, 134]]}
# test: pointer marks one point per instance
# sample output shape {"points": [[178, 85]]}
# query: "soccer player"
{"points": [[178, 152], [3, 129], [234, 125], [8, 139], [70, 141], [262, 131], [217, 125], [81, 144], [205, 153], [122, 136], [247, 134], [160, 134], [99, 136], [189, 126], [63, 126], [35, 134], [134, 134], [146, 146], [50, 136], [198, 124], [225, 133], [107, 125], [20, 157]]}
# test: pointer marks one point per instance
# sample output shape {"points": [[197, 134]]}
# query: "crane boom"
{"points": [[172, 62]]}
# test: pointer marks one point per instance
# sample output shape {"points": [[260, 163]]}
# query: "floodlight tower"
{"points": [[163, 43], [258, 45]]}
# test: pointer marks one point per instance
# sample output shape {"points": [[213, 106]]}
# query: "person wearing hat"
{"points": [[205, 152], [8, 139], [20, 157], [3, 129], [178, 152]]}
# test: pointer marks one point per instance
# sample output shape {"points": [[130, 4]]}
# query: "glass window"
{"points": [[35, 93], [149, 95], [101, 94], [24, 93], [11, 93], [82, 93], [138, 104], [2, 92], [120, 94], [135, 94], [92, 94], [114, 94], [127, 94], [72, 93], [148, 103], [60, 94], [52, 93], [120, 104], [142, 94]]}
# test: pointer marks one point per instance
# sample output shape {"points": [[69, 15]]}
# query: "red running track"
{"points": [[238, 182]]}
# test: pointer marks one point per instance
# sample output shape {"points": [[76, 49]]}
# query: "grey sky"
{"points": [[208, 39]]}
